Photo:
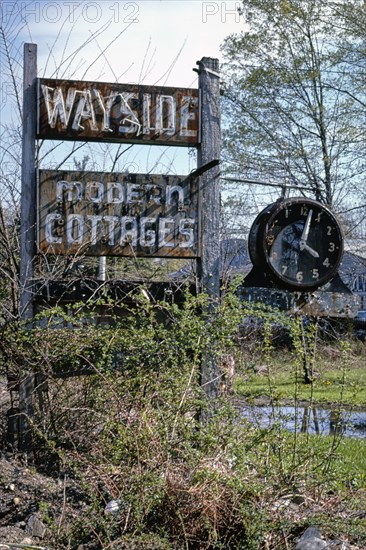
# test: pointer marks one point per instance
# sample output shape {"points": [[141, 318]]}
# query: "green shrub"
{"points": [[186, 470]]}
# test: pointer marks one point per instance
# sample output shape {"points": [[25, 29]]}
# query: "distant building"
{"points": [[353, 268], [235, 260]]}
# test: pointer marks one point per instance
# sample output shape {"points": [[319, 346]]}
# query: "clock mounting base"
{"points": [[334, 299]]}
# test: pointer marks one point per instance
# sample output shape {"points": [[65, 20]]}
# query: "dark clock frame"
{"points": [[277, 244]]}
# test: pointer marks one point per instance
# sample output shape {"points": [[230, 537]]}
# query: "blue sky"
{"points": [[153, 42], [141, 39]]}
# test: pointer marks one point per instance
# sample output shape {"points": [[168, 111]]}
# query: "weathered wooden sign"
{"points": [[100, 214], [78, 110], [119, 214]]}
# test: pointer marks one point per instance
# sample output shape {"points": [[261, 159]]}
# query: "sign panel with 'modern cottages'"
{"points": [[96, 111], [116, 214]]}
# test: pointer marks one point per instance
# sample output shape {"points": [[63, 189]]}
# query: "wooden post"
{"points": [[28, 192], [28, 226], [209, 150]]}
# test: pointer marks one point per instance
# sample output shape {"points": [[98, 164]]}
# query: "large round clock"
{"points": [[298, 241]]}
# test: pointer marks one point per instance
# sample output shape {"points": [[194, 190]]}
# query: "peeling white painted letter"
{"points": [[50, 221], [74, 229], [165, 230], [147, 236], [186, 228]]}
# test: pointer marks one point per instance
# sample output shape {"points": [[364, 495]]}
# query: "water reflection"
{"points": [[309, 419]]}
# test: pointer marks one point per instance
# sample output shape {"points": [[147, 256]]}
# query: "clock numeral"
{"points": [[317, 219], [286, 212], [304, 211], [329, 229], [331, 247], [326, 262], [284, 269], [274, 256], [299, 276], [315, 274]]}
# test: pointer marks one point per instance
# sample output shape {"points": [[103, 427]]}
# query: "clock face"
{"points": [[301, 243]]}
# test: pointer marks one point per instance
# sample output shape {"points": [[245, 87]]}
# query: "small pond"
{"points": [[308, 419]]}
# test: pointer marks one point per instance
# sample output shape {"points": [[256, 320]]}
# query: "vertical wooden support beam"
{"points": [[209, 150], [28, 192], [28, 227]]}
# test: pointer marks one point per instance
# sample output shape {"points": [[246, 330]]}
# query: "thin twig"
{"points": [[63, 506]]}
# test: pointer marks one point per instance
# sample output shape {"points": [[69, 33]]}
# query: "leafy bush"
{"points": [[182, 467]]}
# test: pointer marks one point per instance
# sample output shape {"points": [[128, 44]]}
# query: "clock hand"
{"points": [[305, 233], [310, 250]]}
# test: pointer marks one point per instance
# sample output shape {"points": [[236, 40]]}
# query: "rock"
{"points": [[35, 527], [311, 540], [112, 507]]}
